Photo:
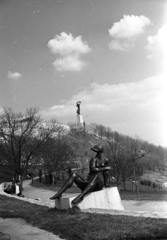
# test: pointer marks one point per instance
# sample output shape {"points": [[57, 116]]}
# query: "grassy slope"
{"points": [[145, 193], [155, 176], [75, 225]]}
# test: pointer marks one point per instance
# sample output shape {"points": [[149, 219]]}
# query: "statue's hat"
{"points": [[97, 148]]}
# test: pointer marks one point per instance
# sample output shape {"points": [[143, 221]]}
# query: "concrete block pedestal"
{"points": [[107, 198]]}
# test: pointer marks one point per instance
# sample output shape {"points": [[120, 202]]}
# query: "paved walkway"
{"points": [[132, 208], [18, 229]]}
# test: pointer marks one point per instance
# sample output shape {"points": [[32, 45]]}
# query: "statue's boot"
{"points": [[66, 185], [57, 195], [77, 199]]}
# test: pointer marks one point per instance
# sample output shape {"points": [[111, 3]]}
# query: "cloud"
{"points": [[120, 46], [126, 31], [1, 110], [131, 108], [157, 45], [70, 50], [65, 44], [129, 26], [69, 63], [14, 75]]}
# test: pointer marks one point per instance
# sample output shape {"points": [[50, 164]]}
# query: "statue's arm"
{"points": [[95, 169]]}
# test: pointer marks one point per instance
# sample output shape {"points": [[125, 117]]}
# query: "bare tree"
{"points": [[134, 153], [56, 153], [98, 130], [117, 153], [22, 135]]}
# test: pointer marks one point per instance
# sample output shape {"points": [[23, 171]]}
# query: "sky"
{"points": [[109, 54]]}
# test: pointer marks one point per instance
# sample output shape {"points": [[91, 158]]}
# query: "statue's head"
{"points": [[78, 103], [97, 148]]}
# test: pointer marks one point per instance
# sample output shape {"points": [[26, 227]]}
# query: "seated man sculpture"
{"points": [[97, 179]]}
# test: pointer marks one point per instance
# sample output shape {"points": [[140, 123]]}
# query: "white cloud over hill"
{"points": [[131, 108]]}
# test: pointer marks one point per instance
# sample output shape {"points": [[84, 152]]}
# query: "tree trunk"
{"points": [[50, 178], [124, 185], [135, 182], [32, 179], [53, 179], [137, 188], [40, 175]]}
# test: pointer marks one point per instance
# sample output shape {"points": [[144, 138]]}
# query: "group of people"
{"points": [[11, 188]]}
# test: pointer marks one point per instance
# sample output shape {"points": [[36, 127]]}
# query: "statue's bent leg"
{"points": [[93, 185], [106, 178], [80, 182], [65, 186], [73, 178]]}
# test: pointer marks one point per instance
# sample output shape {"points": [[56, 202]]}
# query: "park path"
{"points": [[151, 206], [129, 205], [18, 229], [37, 193], [155, 209]]}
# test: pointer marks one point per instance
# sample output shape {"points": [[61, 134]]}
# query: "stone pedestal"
{"points": [[107, 198], [79, 120]]}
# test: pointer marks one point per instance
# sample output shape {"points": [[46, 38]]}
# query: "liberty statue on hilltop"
{"points": [[78, 107], [80, 122]]}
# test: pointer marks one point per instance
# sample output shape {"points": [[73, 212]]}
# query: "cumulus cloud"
{"points": [[69, 63], [70, 50], [126, 31], [65, 44], [120, 45], [157, 45], [14, 75], [129, 26], [131, 108]]}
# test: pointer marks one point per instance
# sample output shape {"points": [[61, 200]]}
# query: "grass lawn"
{"points": [[145, 194], [75, 225]]}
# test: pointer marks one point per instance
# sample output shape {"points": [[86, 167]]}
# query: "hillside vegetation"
{"points": [[29, 144]]}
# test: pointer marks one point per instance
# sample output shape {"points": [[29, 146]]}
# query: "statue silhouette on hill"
{"points": [[78, 107]]}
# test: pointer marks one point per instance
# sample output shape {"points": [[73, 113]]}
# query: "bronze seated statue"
{"points": [[97, 179]]}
